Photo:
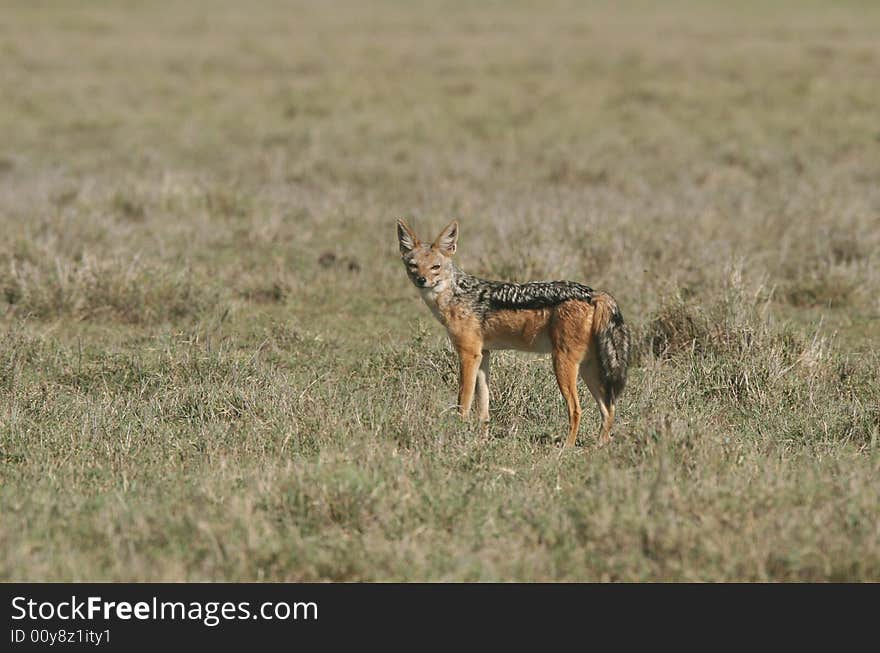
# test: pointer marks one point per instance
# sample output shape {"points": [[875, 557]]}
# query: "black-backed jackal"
{"points": [[581, 328]]}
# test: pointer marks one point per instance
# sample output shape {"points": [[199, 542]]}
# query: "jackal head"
{"points": [[429, 266]]}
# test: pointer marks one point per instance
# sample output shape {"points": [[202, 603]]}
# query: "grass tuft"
{"points": [[129, 292]]}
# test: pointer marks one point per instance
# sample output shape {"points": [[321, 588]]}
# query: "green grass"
{"points": [[213, 366]]}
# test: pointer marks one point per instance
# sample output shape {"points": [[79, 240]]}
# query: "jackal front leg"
{"points": [[483, 389], [469, 365]]}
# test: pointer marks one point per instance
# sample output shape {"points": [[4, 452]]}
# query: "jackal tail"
{"points": [[612, 343]]}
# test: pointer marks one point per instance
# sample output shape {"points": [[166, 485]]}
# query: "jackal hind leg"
{"points": [[590, 375], [565, 366]]}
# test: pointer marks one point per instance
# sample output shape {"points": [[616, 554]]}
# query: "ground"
{"points": [[213, 365]]}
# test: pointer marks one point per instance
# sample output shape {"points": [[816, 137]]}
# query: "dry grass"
{"points": [[212, 365]]}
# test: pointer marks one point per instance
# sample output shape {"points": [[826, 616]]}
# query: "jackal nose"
{"points": [[421, 281]]}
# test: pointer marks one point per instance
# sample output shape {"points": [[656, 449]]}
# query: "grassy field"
{"points": [[213, 366]]}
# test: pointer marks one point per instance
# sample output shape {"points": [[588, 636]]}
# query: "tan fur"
{"points": [[566, 330], [602, 317], [525, 330]]}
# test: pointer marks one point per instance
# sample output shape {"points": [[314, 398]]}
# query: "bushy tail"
{"points": [[613, 342]]}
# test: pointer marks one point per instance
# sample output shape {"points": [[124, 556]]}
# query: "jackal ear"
{"points": [[447, 240], [407, 238]]}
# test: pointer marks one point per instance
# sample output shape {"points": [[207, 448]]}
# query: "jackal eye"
{"points": [[435, 267]]}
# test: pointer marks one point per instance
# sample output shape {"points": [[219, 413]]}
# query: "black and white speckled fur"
{"points": [[483, 295]]}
